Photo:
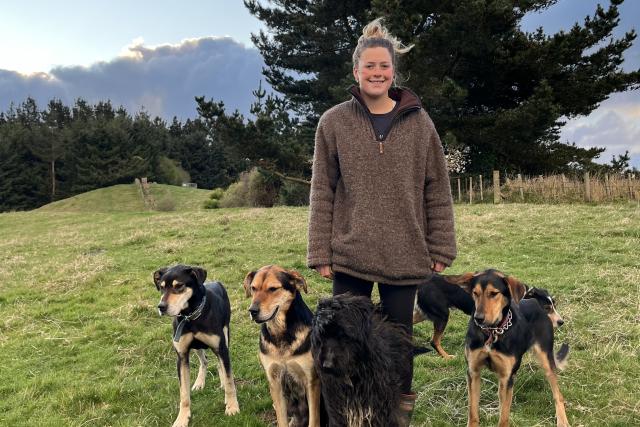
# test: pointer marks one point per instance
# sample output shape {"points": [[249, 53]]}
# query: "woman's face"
{"points": [[374, 72]]}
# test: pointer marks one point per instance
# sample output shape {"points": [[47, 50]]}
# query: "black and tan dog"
{"points": [[435, 298], [285, 351], [201, 314], [504, 327]]}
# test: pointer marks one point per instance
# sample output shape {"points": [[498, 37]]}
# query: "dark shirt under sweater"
{"points": [[382, 122]]}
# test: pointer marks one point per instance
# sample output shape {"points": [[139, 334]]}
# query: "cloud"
{"points": [[163, 79], [615, 125]]}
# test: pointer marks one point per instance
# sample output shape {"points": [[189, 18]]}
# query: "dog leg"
{"points": [[224, 370], [202, 371], [312, 387], [543, 358], [274, 372], [505, 395], [438, 332], [473, 387], [185, 399]]}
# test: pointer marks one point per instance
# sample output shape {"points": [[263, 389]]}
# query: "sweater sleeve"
{"points": [[441, 239], [324, 178]]}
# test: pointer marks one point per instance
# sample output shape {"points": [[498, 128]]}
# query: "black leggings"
{"points": [[397, 303]]}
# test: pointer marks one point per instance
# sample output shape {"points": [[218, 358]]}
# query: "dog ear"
{"points": [[297, 280], [199, 273], [247, 282], [462, 280], [157, 275], [516, 287]]}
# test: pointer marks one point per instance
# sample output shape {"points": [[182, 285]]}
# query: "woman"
{"points": [[380, 205]]}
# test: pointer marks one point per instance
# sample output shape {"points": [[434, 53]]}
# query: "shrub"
{"points": [[216, 193], [169, 171], [252, 190], [212, 204]]}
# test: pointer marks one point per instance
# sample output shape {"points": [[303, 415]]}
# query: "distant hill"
{"points": [[128, 198]]}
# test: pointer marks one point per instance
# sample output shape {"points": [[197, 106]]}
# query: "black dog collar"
{"points": [[194, 315]]}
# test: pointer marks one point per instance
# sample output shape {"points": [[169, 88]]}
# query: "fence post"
{"points": [[587, 187], [481, 195], [564, 183], [459, 191], [470, 189], [607, 190], [496, 187], [520, 186]]}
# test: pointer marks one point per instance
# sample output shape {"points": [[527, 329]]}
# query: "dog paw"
{"points": [[232, 408], [449, 356], [182, 420], [198, 385]]}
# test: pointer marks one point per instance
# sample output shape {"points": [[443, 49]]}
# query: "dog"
{"points": [[359, 356], [285, 349], [201, 314], [435, 298], [502, 329]]}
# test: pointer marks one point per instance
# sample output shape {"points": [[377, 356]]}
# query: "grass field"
{"points": [[81, 343]]}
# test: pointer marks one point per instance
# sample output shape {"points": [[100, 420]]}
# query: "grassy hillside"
{"points": [[128, 198], [81, 343]]}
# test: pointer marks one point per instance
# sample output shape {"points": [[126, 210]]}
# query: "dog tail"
{"points": [[417, 350], [561, 356]]}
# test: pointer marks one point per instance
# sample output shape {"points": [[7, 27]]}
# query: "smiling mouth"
{"points": [[258, 320]]}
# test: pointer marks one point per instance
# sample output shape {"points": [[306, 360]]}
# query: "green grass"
{"points": [[81, 343]]}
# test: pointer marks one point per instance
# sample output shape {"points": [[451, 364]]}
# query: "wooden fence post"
{"points": [[496, 187], [520, 186], [587, 187], [459, 191], [481, 195], [470, 189]]}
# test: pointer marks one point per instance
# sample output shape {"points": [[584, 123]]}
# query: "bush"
{"points": [[169, 171], [216, 193], [212, 204], [294, 194], [252, 190]]}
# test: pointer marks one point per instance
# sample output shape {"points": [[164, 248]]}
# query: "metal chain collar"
{"points": [[494, 333]]}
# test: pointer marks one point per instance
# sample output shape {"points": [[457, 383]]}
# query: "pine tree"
{"points": [[497, 94]]}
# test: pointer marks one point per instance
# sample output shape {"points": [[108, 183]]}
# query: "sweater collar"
{"points": [[406, 99]]}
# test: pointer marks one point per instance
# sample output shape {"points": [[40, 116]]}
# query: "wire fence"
{"points": [[516, 188]]}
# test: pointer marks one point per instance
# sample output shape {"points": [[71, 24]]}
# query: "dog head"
{"points": [[272, 290], [340, 333], [548, 303], [178, 284], [492, 292]]}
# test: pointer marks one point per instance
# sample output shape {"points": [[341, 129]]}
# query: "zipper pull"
{"points": [[381, 148]]}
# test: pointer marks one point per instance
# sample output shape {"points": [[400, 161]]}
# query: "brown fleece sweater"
{"points": [[380, 210]]}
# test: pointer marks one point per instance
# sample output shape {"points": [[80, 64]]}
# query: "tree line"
{"points": [[59, 151]]}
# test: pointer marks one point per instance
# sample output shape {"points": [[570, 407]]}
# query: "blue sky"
{"points": [[160, 54]]}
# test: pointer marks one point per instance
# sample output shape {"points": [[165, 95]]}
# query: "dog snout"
{"points": [[479, 317], [560, 322], [162, 308], [254, 311]]}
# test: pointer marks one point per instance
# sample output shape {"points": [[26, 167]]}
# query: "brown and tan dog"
{"points": [[285, 348]]}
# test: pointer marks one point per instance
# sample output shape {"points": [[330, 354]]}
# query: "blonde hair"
{"points": [[374, 34]]}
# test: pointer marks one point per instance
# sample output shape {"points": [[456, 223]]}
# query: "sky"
{"points": [[159, 54]]}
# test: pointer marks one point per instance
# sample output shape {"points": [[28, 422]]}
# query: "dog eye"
{"points": [[493, 294], [273, 289]]}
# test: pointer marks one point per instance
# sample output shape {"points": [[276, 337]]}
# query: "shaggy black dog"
{"points": [[359, 357]]}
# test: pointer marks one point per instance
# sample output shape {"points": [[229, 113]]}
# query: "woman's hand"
{"points": [[325, 271], [438, 267]]}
